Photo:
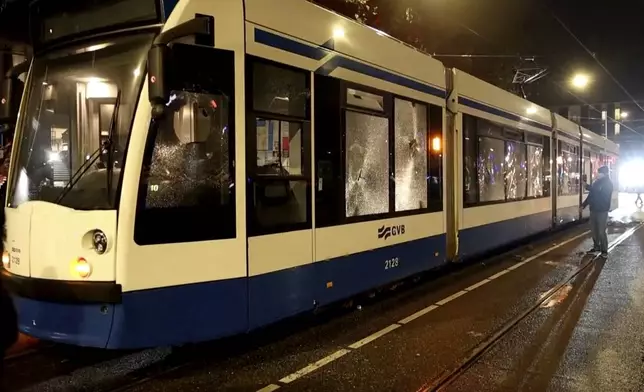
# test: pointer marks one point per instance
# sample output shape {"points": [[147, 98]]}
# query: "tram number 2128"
{"points": [[391, 263]]}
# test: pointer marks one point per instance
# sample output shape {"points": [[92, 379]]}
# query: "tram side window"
{"points": [[410, 155], [187, 182], [470, 158], [535, 164], [491, 169], [366, 155], [491, 165], [587, 176], [279, 90], [374, 155], [367, 164], [535, 170], [189, 165], [278, 149], [501, 163], [547, 167], [516, 175], [568, 169], [576, 170], [595, 163]]}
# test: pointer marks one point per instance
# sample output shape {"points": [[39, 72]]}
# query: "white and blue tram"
{"points": [[188, 170]]}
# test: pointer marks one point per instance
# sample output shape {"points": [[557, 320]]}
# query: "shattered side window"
{"points": [[367, 164]]}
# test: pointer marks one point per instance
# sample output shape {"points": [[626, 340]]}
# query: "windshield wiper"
{"points": [[78, 174], [106, 146], [110, 144]]}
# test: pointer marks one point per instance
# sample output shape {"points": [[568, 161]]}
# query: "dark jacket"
{"points": [[601, 193], [8, 321], [8, 317]]}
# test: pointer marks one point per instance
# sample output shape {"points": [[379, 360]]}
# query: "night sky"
{"points": [[613, 30]]}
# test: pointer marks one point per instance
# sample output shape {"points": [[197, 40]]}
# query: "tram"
{"points": [[188, 170]]}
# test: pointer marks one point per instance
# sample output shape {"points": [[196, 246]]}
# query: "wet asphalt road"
{"points": [[402, 360], [591, 341], [48, 362], [420, 352]]}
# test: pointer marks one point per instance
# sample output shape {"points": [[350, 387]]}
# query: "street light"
{"points": [[580, 81], [623, 114]]}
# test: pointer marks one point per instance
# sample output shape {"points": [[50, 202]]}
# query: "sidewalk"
{"points": [[606, 350]]}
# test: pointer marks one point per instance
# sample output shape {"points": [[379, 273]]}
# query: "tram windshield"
{"points": [[74, 129]]}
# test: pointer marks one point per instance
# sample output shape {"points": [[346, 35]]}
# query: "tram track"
{"points": [[25, 353], [447, 378], [123, 371], [41, 364], [196, 356], [146, 375]]}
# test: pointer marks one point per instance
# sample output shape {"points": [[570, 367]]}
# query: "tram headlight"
{"points": [[6, 260], [99, 240], [82, 268]]}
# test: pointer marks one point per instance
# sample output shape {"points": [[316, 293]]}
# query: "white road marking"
{"points": [[374, 336], [555, 246], [451, 297], [518, 265], [314, 366], [269, 388], [414, 316], [340, 353], [477, 285], [498, 274]]}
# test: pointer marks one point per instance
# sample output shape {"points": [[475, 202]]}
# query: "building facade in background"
{"points": [[621, 122]]}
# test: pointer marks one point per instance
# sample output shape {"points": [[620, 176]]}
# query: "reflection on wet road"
{"points": [[557, 297]]}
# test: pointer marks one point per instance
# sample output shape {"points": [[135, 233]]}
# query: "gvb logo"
{"points": [[390, 231]]}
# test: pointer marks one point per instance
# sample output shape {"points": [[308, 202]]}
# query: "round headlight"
{"points": [[99, 240]]}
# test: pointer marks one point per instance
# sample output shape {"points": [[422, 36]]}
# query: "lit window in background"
{"points": [[96, 88]]}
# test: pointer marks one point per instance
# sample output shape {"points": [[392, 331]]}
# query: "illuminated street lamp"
{"points": [[623, 114], [580, 81]]}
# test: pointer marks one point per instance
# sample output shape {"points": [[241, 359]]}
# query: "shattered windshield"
{"points": [[64, 130]]}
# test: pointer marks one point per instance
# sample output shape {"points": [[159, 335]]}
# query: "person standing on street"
{"points": [[599, 198]]}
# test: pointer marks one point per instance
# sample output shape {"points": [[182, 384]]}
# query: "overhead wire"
{"points": [[603, 67], [578, 98], [591, 106], [614, 120], [592, 54]]}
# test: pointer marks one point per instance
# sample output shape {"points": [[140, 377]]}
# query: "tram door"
{"points": [[188, 234], [278, 200]]}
